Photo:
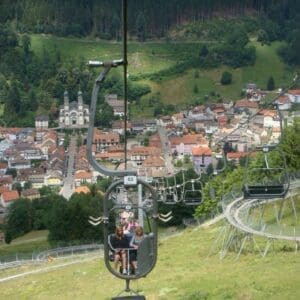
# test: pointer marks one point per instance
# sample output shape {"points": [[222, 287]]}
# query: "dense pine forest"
{"points": [[33, 83], [147, 19]]}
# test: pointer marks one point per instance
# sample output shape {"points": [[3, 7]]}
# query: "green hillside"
{"points": [[179, 89], [183, 271]]}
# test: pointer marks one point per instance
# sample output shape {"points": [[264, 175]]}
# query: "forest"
{"points": [[146, 19]]}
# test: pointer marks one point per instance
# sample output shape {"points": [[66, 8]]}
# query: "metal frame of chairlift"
{"points": [[264, 190], [171, 196], [154, 216], [189, 197]]}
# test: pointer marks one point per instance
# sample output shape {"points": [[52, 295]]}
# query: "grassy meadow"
{"points": [[34, 241], [152, 57], [183, 271]]}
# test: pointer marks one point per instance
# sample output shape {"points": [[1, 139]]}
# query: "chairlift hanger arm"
{"points": [[100, 79]]}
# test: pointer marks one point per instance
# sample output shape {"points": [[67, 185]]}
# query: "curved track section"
{"points": [[236, 210]]}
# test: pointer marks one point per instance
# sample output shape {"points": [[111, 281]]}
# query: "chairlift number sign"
{"points": [[130, 180]]}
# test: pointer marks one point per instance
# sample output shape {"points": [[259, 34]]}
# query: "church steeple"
{"points": [[66, 100], [80, 101]]}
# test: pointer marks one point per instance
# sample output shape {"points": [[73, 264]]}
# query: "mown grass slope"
{"points": [[183, 271]]}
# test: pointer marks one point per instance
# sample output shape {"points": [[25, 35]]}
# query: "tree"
{"points": [[12, 172], [196, 90], [270, 84], [104, 115], [226, 78], [141, 27], [263, 37], [17, 186], [203, 51], [26, 44], [210, 169], [238, 38], [13, 103], [19, 219]]}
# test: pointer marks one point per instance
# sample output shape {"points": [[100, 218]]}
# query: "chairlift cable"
{"points": [[125, 64]]}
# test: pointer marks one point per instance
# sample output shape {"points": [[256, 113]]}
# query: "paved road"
{"points": [[166, 148], [68, 186]]}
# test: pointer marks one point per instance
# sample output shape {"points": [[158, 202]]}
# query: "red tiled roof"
{"points": [[153, 161], [283, 100], [246, 103], [3, 165], [236, 155], [3, 188], [145, 151], [188, 139], [82, 189], [10, 196], [83, 175], [268, 112], [200, 150], [294, 92]]}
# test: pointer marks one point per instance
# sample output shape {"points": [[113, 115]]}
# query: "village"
{"points": [[56, 158]]}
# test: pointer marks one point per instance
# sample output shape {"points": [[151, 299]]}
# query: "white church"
{"points": [[74, 114]]}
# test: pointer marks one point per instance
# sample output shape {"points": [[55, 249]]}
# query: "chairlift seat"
{"points": [[192, 197], [264, 191]]}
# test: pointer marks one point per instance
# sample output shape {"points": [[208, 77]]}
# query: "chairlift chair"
{"points": [[171, 196], [193, 192], [266, 182]]}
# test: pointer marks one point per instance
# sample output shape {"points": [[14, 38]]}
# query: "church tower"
{"points": [[80, 101], [66, 101], [66, 109], [80, 108]]}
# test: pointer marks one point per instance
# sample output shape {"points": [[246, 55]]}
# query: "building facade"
{"points": [[74, 114]]}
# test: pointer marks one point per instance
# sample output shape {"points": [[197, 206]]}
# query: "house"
{"points": [[201, 158], [49, 140], [236, 156], [154, 165], [150, 125], [102, 139], [183, 145], [140, 153], [83, 177], [165, 121], [53, 178], [118, 106], [138, 126], [119, 127], [284, 102], [4, 146], [18, 163], [8, 197], [41, 122], [245, 105], [155, 141], [30, 194], [3, 167], [294, 95], [178, 119], [267, 118]]}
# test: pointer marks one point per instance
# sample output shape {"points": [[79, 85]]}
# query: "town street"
{"points": [[68, 186]]}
